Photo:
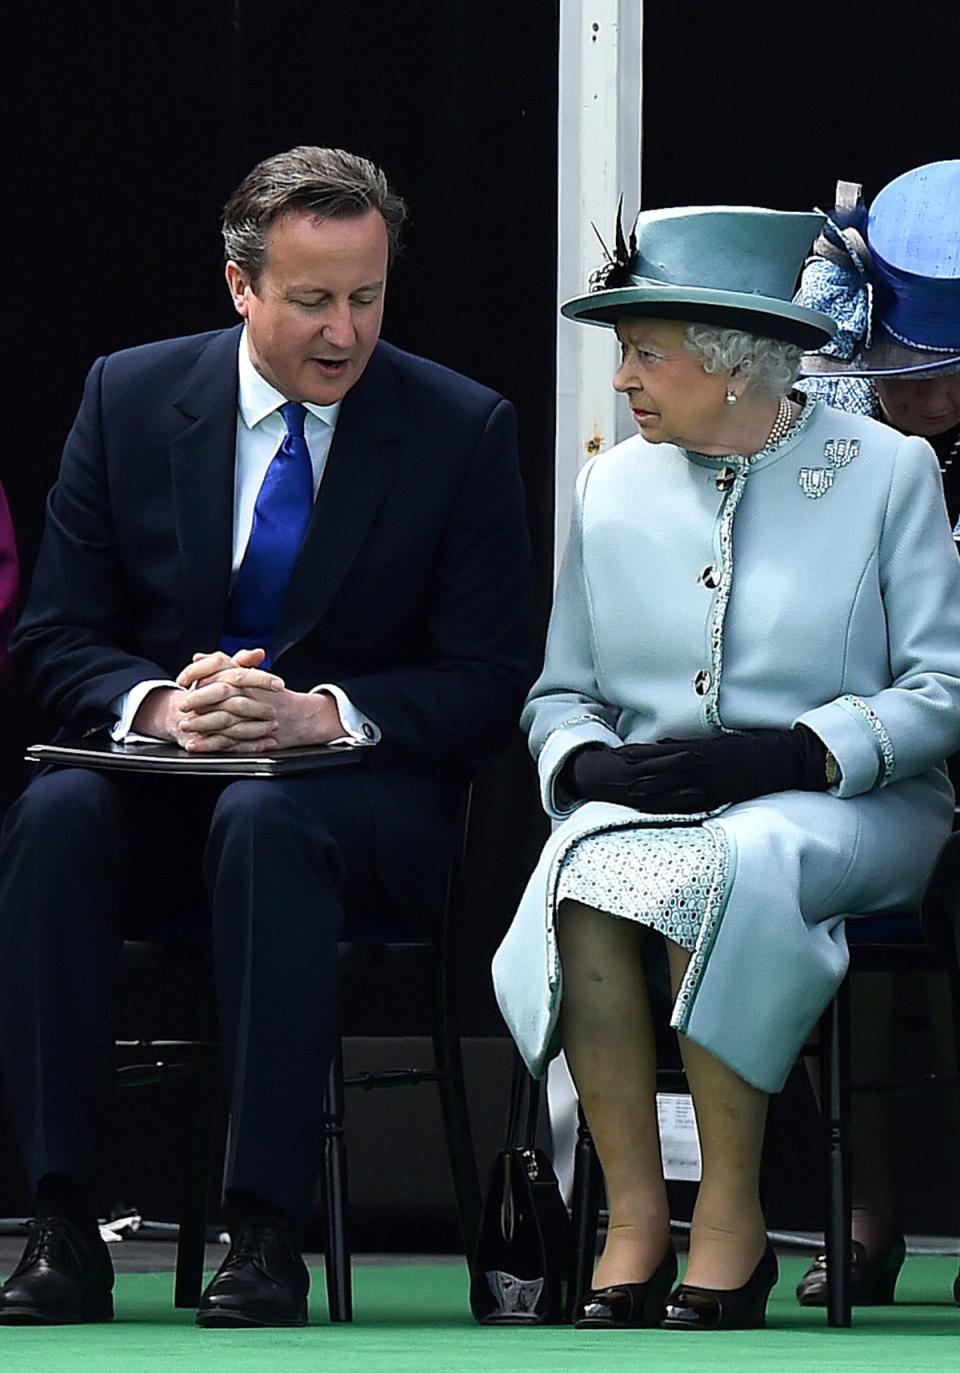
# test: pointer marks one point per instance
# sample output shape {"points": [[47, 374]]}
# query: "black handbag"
{"points": [[521, 1268]]}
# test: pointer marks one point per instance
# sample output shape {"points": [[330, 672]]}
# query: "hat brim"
{"points": [[765, 316], [884, 358]]}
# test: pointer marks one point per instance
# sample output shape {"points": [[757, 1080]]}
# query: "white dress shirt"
{"points": [[260, 429]]}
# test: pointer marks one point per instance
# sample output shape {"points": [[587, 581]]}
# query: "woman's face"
{"points": [[672, 398], [927, 407]]}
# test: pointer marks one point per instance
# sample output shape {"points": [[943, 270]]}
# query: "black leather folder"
{"points": [[99, 751]]}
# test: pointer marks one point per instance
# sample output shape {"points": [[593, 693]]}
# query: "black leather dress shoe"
{"points": [[710, 1308], [63, 1278], [629, 1305], [262, 1281], [872, 1281]]}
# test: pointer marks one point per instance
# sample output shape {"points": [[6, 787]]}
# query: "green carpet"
{"points": [[413, 1319]]}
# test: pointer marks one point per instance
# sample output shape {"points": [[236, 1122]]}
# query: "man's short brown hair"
{"points": [[325, 182]]}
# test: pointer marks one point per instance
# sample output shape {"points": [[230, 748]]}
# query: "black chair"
{"points": [[903, 942], [586, 1200], [371, 959], [588, 1190], [167, 985], [372, 955]]}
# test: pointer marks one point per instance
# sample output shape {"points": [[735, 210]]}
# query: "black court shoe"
{"points": [[626, 1305], [709, 1308], [65, 1277], [872, 1281], [262, 1281]]}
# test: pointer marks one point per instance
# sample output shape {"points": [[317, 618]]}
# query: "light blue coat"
{"points": [[817, 582]]}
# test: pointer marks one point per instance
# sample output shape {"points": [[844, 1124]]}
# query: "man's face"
{"points": [[314, 318]]}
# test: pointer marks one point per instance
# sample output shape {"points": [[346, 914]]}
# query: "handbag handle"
{"points": [[524, 1107], [521, 1136]]}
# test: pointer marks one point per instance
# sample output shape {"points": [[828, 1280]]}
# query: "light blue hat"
{"points": [[736, 267]]}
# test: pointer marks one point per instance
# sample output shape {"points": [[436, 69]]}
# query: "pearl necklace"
{"points": [[781, 425]]}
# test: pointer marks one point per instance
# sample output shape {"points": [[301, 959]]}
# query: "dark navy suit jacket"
{"points": [[411, 590]]}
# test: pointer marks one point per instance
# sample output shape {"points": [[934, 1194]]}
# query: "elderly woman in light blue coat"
{"points": [[752, 679]]}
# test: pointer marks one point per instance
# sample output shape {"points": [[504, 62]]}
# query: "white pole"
{"points": [[601, 43], [599, 155]]}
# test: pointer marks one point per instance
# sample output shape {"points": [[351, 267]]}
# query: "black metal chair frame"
{"points": [[937, 949], [159, 1062], [941, 920], [154, 1061], [585, 1213], [588, 1194], [446, 1073]]}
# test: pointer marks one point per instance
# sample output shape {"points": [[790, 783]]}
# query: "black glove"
{"points": [[687, 775]]}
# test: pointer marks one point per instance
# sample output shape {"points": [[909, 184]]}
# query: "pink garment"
{"points": [[9, 580]]}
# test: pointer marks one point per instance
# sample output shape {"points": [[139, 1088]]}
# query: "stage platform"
{"points": [[411, 1315]]}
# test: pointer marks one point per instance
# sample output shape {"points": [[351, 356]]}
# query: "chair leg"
{"points": [[772, 1134], [586, 1214], [835, 1108], [339, 1284], [448, 1061], [955, 1011], [191, 1246]]}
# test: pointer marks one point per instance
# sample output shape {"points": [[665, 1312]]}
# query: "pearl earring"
{"points": [[731, 398]]}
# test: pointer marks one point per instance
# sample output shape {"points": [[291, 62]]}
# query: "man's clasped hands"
{"points": [[232, 704]]}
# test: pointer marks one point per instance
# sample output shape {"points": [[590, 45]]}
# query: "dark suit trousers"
{"points": [[279, 859]]}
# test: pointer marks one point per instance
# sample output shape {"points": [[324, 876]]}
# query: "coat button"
{"points": [[725, 478], [702, 682], [710, 577], [367, 730]]}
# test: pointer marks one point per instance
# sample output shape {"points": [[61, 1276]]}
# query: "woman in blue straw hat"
{"points": [[740, 726], [890, 280]]}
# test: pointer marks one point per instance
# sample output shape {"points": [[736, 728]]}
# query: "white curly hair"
{"points": [[768, 363]]}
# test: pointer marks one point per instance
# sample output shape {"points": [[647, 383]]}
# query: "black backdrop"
{"points": [[770, 103], [128, 123]]}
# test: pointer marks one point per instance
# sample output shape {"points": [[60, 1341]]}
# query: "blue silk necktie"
{"points": [[280, 519]]}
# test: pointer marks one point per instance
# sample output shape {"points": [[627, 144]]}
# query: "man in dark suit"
{"points": [[274, 535]]}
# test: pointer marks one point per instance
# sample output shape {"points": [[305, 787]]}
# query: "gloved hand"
{"points": [[688, 775]]}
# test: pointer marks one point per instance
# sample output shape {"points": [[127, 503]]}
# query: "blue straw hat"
{"points": [[719, 264], [890, 278]]}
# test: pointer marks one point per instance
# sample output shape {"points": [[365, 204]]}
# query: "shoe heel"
{"points": [[739, 1308], [752, 1315], [884, 1288], [659, 1288], [98, 1308]]}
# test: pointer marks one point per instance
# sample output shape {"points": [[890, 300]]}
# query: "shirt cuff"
{"points": [[359, 729], [125, 708]]}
